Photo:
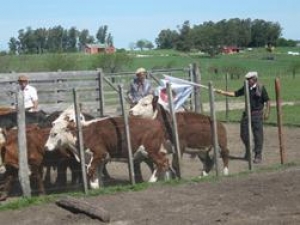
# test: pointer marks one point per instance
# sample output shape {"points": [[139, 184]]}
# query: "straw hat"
{"points": [[140, 70], [22, 78]]}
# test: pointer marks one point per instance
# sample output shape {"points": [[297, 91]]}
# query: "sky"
{"points": [[132, 20]]}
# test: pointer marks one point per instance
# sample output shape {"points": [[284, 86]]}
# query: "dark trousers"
{"points": [[257, 132]]}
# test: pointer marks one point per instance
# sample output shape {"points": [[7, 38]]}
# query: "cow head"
{"points": [[146, 107], [60, 136]]}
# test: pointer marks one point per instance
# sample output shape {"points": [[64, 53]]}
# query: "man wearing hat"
{"points": [[139, 87], [260, 111], [30, 94]]}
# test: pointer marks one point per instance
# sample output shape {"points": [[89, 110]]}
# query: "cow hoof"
{"points": [[226, 171], [94, 184], [3, 197], [153, 178], [204, 174], [2, 169]]}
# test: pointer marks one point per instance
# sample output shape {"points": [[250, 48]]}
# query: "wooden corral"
{"points": [[97, 91]]}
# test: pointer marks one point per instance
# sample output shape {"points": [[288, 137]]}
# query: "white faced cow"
{"points": [[194, 130], [106, 139]]}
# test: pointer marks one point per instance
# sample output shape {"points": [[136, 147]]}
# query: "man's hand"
{"points": [[266, 115], [219, 91]]}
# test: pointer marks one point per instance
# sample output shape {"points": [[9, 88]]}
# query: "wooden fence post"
{"points": [[197, 89], [22, 146], [279, 120], [174, 130], [80, 142], [127, 133], [214, 126], [101, 92]]}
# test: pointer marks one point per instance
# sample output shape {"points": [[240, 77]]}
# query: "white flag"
{"points": [[180, 92]]}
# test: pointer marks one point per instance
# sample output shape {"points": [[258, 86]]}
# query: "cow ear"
{"points": [[155, 102]]}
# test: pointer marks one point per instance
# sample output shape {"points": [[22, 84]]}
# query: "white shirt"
{"points": [[30, 94]]}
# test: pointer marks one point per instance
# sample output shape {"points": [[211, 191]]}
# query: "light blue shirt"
{"points": [[137, 90]]}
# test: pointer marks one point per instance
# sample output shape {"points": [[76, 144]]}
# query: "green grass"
{"points": [[257, 59], [290, 116]]}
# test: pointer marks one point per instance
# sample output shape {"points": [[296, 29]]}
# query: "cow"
{"points": [[69, 115], [60, 160], [194, 131], [105, 139], [35, 153]]}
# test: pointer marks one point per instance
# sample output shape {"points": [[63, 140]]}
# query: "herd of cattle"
{"points": [[52, 143]]}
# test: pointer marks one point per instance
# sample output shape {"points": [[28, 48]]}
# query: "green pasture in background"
{"points": [[277, 64]]}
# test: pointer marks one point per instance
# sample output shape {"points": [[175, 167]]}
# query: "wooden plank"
{"points": [[80, 206]]}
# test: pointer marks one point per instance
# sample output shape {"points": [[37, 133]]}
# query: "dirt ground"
{"points": [[258, 198]]}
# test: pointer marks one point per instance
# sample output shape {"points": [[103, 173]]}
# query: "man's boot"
{"points": [[258, 158]]}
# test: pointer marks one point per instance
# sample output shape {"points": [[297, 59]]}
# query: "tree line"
{"points": [[56, 39], [233, 32], [207, 37]]}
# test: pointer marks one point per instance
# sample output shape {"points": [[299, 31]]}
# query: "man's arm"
{"points": [[35, 105], [267, 110], [225, 93]]}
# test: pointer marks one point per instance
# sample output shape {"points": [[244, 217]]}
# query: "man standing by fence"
{"points": [[30, 94], [258, 99]]}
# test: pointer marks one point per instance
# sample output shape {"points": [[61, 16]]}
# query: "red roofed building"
{"points": [[230, 49], [98, 48]]}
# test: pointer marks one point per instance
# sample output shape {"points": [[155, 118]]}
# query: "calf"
{"points": [[106, 138], [194, 131]]}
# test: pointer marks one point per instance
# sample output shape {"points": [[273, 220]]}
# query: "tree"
{"points": [[84, 38], [166, 39], [141, 44], [112, 63], [149, 45], [41, 39], [101, 34], [13, 45], [184, 42], [72, 37]]}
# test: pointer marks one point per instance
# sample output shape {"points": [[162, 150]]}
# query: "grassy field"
{"points": [[269, 66]]}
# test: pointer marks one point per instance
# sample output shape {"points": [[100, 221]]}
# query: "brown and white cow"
{"points": [[194, 131], [106, 139], [35, 153]]}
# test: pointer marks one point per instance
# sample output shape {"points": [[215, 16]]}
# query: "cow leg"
{"points": [[225, 157], [61, 179], [96, 164], [206, 160], [105, 173], [11, 173], [36, 179], [175, 164], [162, 163], [47, 179], [141, 155]]}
